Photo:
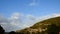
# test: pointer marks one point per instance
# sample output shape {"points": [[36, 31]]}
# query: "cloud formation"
{"points": [[19, 21], [33, 3]]}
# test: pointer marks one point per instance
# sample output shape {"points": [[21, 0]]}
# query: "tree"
{"points": [[38, 32], [33, 32], [52, 29], [1, 30], [12, 32], [28, 32]]}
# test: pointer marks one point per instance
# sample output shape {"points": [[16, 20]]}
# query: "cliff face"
{"points": [[42, 26]]}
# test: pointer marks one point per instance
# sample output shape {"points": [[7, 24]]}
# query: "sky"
{"points": [[19, 14]]}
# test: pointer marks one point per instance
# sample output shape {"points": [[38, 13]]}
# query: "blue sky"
{"points": [[41, 7], [19, 14]]}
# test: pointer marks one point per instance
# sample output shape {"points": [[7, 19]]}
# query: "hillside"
{"points": [[41, 26], [44, 23]]}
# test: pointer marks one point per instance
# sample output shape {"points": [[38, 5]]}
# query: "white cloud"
{"points": [[19, 21], [16, 15], [31, 17], [55, 14], [48, 16], [34, 3]]}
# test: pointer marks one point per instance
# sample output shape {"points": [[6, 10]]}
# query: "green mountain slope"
{"points": [[47, 22], [41, 26]]}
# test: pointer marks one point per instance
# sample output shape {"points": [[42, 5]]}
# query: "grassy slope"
{"points": [[44, 24]]}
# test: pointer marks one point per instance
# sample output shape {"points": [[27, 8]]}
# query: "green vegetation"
{"points": [[45, 23], [51, 26]]}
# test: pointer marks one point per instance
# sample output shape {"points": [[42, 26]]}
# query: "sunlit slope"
{"points": [[45, 23], [42, 25]]}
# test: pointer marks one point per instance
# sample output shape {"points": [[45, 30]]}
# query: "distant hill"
{"points": [[42, 25]]}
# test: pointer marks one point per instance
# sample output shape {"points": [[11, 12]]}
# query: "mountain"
{"points": [[41, 26]]}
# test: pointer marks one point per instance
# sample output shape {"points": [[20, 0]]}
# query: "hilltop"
{"points": [[41, 26]]}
